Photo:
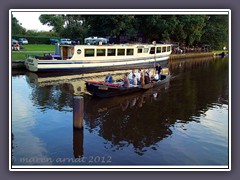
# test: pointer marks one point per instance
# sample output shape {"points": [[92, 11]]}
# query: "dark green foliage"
{"points": [[16, 27], [216, 31], [187, 30]]}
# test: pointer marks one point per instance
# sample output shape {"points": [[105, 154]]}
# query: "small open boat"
{"points": [[104, 89]]}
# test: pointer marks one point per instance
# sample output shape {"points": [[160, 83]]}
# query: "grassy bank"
{"points": [[32, 49], [220, 51]]}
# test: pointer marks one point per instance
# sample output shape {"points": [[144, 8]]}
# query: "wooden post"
{"points": [[78, 111]]}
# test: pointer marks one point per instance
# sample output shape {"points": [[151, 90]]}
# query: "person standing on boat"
{"points": [[158, 70], [126, 82], [142, 79], [138, 75], [109, 78]]}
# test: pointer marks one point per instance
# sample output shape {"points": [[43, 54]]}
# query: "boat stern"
{"points": [[31, 64]]}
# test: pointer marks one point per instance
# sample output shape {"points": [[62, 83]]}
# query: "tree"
{"points": [[190, 28], [70, 26], [17, 28], [74, 27], [157, 27], [110, 25], [216, 31], [148, 25], [56, 21]]}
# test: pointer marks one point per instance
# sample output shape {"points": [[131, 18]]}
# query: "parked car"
{"points": [[22, 41], [65, 41], [15, 45], [73, 42], [53, 41], [14, 41]]}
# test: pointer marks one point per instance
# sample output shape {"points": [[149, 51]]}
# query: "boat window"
{"points": [[101, 52], [164, 49], [89, 52], [152, 50], [129, 51], [159, 50], [121, 52], [140, 50], [145, 50], [169, 48], [111, 52]]}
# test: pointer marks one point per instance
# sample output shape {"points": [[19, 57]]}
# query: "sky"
{"points": [[30, 21]]}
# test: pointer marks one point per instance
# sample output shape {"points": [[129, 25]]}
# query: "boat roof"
{"points": [[125, 45]]}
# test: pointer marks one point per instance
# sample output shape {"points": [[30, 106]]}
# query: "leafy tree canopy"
{"points": [[187, 30]]}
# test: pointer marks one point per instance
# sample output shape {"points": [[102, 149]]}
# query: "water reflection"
{"points": [[129, 120], [142, 119], [78, 142]]}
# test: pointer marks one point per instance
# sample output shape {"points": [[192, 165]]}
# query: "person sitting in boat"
{"points": [[109, 78], [149, 73], [146, 78], [130, 76], [126, 82], [135, 81]]}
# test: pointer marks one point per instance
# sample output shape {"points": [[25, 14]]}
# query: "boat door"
{"points": [[64, 52]]}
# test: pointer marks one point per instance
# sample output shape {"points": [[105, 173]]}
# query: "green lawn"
{"points": [[219, 51], [32, 49], [38, 47]]}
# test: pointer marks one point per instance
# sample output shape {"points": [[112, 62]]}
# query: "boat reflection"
{"points": [[131, 119], [73, 83]]}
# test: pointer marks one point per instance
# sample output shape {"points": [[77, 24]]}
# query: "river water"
{"points": [[184, 122]]}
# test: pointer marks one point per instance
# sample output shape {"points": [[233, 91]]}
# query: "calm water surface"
{"points": [[184, 122]]}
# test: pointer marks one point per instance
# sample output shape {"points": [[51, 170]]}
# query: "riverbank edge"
{"points": [[19, 64]]}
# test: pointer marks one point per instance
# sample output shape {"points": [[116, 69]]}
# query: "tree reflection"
{"points": [[52, 97]]}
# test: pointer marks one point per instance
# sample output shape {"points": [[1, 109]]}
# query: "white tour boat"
{"points": [[101, 57]]}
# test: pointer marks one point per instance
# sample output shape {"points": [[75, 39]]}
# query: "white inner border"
{"points": [[110, 167]]}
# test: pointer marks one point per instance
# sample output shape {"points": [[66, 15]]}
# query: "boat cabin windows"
{"points": [[111, 52], [129, 52], [140, 50], [101, 52], [159, 49], [164, 49], [145, 50], [89, 52], [152, 50], [121, 52], [169, 48]]}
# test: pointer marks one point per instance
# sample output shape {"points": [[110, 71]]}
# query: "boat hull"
{"points": [[36, 65], [103, 90]]}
